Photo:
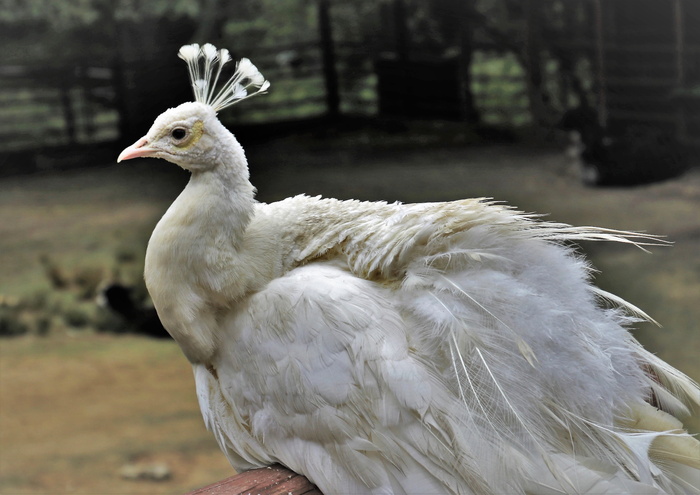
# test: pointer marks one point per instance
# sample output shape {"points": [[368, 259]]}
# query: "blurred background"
{"points": [[583, 110]]}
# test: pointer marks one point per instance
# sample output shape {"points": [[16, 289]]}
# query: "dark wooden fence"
{"points": [[636, 77], [42, 106], [78, 104]]}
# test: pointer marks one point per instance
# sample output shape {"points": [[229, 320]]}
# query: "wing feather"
{"points": [[449, 347]]}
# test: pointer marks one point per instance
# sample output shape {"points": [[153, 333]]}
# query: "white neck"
{"points": [[220, 202], [194, 260]]}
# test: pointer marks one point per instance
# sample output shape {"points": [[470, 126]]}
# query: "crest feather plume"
{"points": [[205, 64]]}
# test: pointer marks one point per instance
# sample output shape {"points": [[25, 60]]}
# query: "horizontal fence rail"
{"points": [[76, 105], [56, 105]]}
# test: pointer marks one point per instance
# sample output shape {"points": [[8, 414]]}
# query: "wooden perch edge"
{"points": [[271, 480]]}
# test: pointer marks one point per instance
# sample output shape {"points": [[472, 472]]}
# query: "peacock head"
{"points": [[190, 135]]}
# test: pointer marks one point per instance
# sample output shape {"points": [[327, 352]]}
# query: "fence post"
{"points": [[272, 480], [533, 60], [600, 63], [330, 75], [68, 114], [120, 96], [465, 37], [402, 44], [678, 21], [86, 107]]}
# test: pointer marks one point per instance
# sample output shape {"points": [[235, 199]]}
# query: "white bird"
{"points": [[444, 348]]}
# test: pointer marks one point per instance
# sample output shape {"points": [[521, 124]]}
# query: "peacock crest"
{"points": [[205, 64]]}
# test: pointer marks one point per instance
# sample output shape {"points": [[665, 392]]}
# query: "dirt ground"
{"points": [[76, 406]]}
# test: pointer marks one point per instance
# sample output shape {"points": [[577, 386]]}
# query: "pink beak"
{"points": [[136, 150]]}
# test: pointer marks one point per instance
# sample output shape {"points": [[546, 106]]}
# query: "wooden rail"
{"points": [[272, 480]]}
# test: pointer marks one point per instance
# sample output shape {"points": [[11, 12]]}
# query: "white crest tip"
{"points": [[209, 51], [205, 64], [189, 52]]}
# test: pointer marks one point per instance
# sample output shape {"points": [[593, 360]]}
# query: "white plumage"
{"points": [[447, 348]]}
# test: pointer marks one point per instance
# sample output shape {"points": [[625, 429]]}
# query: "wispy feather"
{"points": [[205, 65]]}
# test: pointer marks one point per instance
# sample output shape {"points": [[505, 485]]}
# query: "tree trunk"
{"points": [[330, 74], [210, 21], [466, 45], [538, 109]]}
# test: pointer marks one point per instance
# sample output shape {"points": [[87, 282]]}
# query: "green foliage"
{"points": [[71, 299], [247, 22], [25, 316], [498, 84], [77, 13], [11, 325], [270, 23], [58, 14], [77, 317]]}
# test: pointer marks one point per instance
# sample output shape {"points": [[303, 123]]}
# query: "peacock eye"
{"points": [[178, 133]]}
